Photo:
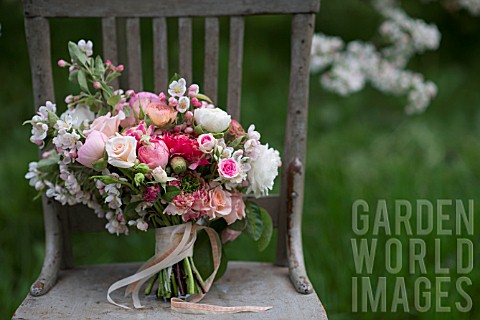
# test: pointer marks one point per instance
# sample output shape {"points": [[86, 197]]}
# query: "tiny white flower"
{"points": [[177, 88], [86, 47], [183, 104]]}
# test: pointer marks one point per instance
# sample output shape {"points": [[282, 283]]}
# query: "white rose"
{"points": [[263, 170], [212, 120], [121, 151]]}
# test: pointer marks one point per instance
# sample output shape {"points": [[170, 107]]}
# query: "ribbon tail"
{"points": [[200, 308]]}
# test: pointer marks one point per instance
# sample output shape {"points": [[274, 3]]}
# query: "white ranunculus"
{"points": [[212, 120], [264, 170], [121, 151]]}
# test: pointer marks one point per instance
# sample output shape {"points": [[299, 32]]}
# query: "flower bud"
{"points": [[119, 68], [97, 85], [139, 178], [62, 63], [178, 164]]}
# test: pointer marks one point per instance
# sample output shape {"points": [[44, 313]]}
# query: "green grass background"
{"points": [[360, 147]]}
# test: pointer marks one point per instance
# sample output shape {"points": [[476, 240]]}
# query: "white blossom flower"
{"points": [[212, 120], [183, 104], [86, 47], [177, 88]]}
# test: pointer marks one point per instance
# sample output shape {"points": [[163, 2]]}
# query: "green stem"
{"points": [[161, 287], [198, 277], [168, 291], [149, 287], [174, 283], [189, 277]]}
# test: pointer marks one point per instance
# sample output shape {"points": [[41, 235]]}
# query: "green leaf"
{"points": [[236, 142], [171, 193], [48, 164], [99, 165], [223, 265], [114, 100], [204, 97], [127, 110], [73, 76], [129, 211], [99, 67], [254, 221], [76, 53], [82, 80], [203, 258], [238, 225], [175, 77], [112, 76], [266, 236]]}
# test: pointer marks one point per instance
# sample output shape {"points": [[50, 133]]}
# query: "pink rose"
{"points": [[228, 168], [238, 208], [220, 202], [206, 142], [106, 124], [137, 101], [154, 155], [121, 151], [161, 114], [93, 149]]}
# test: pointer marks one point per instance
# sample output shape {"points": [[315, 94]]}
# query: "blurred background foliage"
{"points": [[360, 147]]}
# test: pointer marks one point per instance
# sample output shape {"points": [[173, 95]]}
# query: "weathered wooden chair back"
{"points": [[286, 209]]}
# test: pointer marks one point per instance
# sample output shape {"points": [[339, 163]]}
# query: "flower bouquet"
{"points": [[171, 161]]}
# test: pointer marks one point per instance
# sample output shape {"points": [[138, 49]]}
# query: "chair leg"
{"points": [[53, 250], [296, 264]]}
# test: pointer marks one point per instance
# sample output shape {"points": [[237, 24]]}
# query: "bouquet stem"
{"points": [[189, 277]]}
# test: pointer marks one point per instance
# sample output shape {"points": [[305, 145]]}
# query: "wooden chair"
{"points": [[80, 292]]}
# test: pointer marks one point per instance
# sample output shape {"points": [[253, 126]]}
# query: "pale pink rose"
{"points": [[238, 208], [206, 142], [139, 100], [220, 201], [230, 235], [93, 149], [155, 154], [106, 124], [121, 151], [161, 114], [228, 168]]}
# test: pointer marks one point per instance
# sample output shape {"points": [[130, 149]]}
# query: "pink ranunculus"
{"points": [[220, 202], [154, 154], [238, 208], [228, 168], [137, 101], [93, 149], [106, 124], [206, 142], [161, 114]]}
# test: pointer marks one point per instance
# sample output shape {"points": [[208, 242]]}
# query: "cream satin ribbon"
{"points": [[173, 244]]}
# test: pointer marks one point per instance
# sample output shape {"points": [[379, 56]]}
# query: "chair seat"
{"points": [[81, 294]]}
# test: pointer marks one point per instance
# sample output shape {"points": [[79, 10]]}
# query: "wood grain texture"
{"points": [[109, 40], [210, 78], [235, 63], [134, 54], [37, 31], [165, 8], [296, 126], [160, 54], [81, 294], [185, 48]]}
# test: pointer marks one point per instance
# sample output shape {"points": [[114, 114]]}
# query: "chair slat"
{"points": [[237, 26], [134, 54], [185, 48], [210, 80], [165, 8], [109, 39], [160, 54]]}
